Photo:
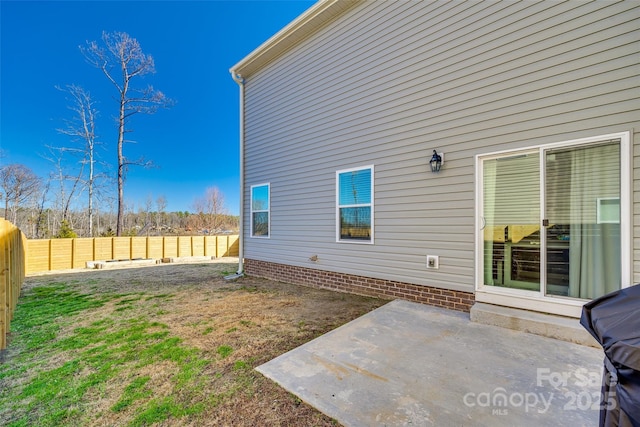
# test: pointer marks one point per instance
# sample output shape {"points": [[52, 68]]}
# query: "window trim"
{"points": [[268, 210], [370, 205]]}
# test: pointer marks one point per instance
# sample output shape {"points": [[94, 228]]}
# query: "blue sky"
{"points": [[194, 144]]}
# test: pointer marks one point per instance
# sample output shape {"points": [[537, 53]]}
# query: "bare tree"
{"points": [[19, 185], [145, 214], [38, 218], [60, 174], [161, 204], [83, 128], [122, 60], [210, 209]]}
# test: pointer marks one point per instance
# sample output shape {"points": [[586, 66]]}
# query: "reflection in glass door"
{"points": [[551, 220], [582, 198], [512, 221]]}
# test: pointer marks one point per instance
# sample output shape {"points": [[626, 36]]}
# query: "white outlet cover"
{"points": [[433, 262]]}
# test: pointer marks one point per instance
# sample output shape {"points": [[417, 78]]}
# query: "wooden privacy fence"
{"points": [[63, 254], [12, 272]]}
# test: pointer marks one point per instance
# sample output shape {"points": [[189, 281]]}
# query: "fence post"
{"points": [[12, 270], [74, 248], [4, 300], [25, 265], [50, 257], [9, 253], [11, 250]]}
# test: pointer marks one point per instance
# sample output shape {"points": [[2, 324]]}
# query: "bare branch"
{"points": [[121, 60], [210, 209], [18, 184], [81, 127]]}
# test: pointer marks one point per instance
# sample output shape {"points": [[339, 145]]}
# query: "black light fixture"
{"points": [[435, 162]]}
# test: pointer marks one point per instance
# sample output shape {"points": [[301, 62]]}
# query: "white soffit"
{"points": [[302, 27]]}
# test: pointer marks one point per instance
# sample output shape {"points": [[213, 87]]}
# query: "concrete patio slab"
{"points": [[408, 364]]}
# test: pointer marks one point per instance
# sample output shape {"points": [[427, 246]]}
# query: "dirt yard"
{"points": [[232, 326]]}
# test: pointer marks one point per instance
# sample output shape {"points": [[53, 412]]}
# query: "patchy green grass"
{"points": [[90, 357], [160, 346], [224, 351]]}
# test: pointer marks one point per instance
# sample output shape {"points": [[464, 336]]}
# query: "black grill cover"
{"points": [[614, 321]]}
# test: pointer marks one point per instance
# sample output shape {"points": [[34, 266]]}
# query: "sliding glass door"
{"points": [[551, 220], [512, 221], [583, 213]]}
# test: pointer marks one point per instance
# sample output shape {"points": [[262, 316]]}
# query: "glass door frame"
{"points": [[538, 300]]}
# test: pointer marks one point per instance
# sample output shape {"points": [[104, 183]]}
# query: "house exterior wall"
{"points": [[386, 83]]}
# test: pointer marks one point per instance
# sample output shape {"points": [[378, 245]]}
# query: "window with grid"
{"points": [[260, 210], [355, 204]]}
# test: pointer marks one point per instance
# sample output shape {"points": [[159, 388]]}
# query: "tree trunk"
{"points": [[121, 162], [91, 193]]}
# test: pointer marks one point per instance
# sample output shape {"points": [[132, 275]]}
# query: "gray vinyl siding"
{"points": [[388, 82]]}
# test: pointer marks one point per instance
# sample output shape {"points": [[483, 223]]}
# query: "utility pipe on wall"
{"points": [[240, 80]]}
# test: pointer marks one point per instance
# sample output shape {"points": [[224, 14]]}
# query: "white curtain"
{"points": [[594, 251]]}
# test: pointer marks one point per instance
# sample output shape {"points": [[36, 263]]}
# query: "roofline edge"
{"points": [[268, 50]]}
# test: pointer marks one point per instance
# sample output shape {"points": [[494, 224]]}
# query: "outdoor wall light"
{"points": [[435, 162]]}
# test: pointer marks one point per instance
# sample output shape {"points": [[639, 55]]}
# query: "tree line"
{"points": [[43, 211]]}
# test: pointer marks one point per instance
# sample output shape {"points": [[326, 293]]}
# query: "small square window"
{"points": [[608, 210]]}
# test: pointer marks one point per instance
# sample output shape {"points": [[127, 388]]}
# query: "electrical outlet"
{"points": [[433, 262]]}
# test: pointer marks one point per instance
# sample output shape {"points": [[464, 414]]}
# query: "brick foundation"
{"points": [[387, 289]]}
